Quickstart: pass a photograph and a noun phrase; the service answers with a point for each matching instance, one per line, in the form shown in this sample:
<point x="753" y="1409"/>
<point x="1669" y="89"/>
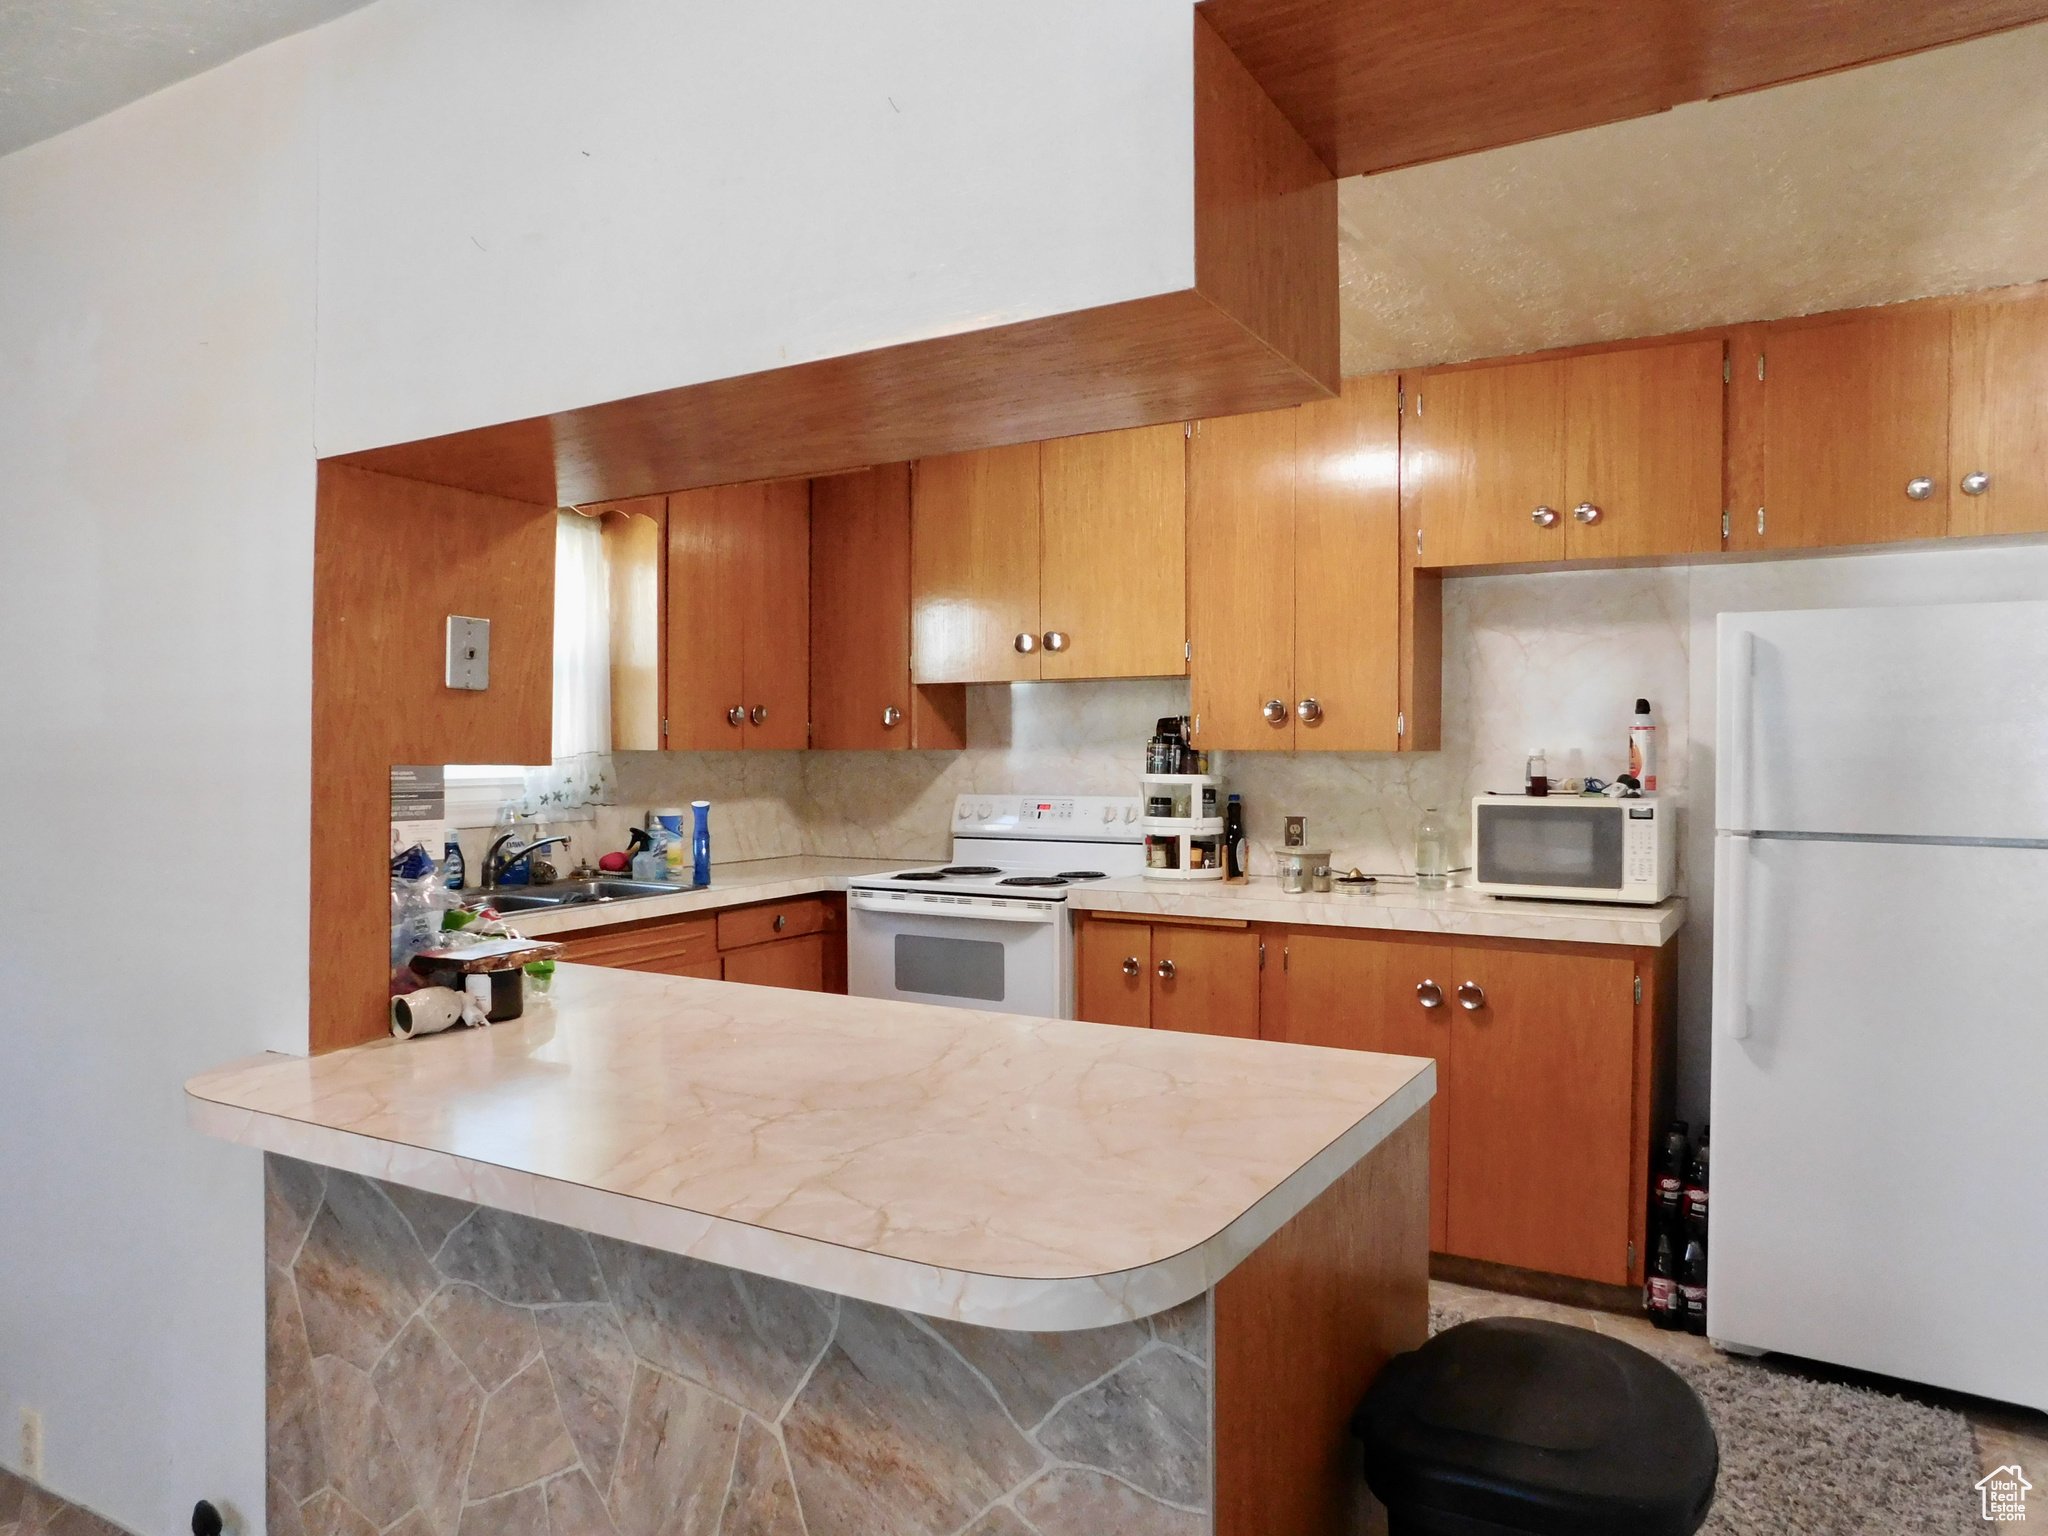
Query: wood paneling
<point x="1359" y="993"/>
<point x="775" y="621"/>
<point x="1998" y="422"/>
<point x="1643" y="435"/>
<point x="677" y="946"/>
<point x="1347" y="567"/>
<point x="1104" y="991"/>
<point x="860" y="621"/>
<point x="1856" y="406"/>
<point x="1542" y="1111"/>
<point x="1302" y="1328"/>
<point x="798" y="964"/>
<point x="707" y="594"/>
<point x="1481" y="450"/>
<point x="763" y="924"/>
<point x="1241" y="578"/>
<point x="1113" y="543"/>
<point x="380" y="697"/>
<point x="636" y="550"/>
<point x="974" y="566"/>
<point x="1373" y="85"/>
<point x="1214" y="988"/>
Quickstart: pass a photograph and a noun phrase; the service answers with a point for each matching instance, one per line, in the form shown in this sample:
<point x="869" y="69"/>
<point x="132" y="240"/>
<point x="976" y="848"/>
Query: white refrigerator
<point x="1880" y="1032"/>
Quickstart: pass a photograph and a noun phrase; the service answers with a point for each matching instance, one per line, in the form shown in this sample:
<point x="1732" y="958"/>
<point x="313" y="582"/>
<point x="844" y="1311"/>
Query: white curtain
<point x="581" y="774"/>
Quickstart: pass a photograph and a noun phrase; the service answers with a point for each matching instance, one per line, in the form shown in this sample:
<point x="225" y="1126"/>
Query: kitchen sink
<point x="570" y="893"/>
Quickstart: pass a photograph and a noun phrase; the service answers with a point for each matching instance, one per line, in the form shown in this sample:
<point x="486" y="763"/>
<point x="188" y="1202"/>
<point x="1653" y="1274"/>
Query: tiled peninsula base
<point x="443" y="1369"/>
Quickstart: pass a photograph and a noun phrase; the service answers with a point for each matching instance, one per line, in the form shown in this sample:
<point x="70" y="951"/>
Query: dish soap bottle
<point x="1642" y="748"/>
<point x="700" y="843"/>
<point x="453" y="871"/>
<point x="1432" y="853"/>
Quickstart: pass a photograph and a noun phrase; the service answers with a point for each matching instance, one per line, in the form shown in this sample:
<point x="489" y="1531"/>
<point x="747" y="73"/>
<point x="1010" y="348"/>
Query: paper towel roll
<point x="426" y="1012"/>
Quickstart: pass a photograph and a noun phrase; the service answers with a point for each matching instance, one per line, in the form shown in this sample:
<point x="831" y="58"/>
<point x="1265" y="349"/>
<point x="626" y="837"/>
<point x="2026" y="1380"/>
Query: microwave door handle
<point x="1732" y="856"/>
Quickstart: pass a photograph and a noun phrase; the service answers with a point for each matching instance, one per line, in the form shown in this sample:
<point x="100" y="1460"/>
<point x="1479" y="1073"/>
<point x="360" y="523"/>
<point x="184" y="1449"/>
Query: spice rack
<point x="1183" y="826"/>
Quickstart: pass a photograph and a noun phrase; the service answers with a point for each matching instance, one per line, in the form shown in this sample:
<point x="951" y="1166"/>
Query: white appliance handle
<point x="1731" y="935"/>
<point x="978" y="912"/>
<point x="1738" y="728"/>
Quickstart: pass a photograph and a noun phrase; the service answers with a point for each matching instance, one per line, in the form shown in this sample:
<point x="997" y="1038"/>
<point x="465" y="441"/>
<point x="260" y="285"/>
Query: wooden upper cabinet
<point x="739" y="616"/>
<point x="1643" y="449"/>
<point x="1856" y="417"/>
<point x="1347" y="569"/>
<point x="974" y="566"/>
<point x="1205" y="981"/>
<point x="1112" y="546"/>
<point x="1241" y="573"/>
<point x="1998" y="417"/>
<point x="635" y="550"/>
<point x="862" y="696"/>
<point x="1482" y="464"/>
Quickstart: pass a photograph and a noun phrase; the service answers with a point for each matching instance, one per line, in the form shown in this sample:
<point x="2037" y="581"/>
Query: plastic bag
<point x="418" y="901"/>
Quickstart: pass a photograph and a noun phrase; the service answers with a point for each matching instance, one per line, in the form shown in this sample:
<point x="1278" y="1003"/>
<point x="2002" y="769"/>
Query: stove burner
<point x="1034" y="880"/>
<point x="970" y="869"/>
<point x="920" y="874"/>
<point x="1082" y="874"/>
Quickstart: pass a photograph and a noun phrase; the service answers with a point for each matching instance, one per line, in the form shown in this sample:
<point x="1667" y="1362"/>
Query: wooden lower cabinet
<point x="799" y="944"/>
<point x="1200" y="979"/>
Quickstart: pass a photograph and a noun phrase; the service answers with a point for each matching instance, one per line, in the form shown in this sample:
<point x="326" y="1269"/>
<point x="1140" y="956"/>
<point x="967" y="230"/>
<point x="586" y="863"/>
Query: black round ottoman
<point x="1509" y="1424"/>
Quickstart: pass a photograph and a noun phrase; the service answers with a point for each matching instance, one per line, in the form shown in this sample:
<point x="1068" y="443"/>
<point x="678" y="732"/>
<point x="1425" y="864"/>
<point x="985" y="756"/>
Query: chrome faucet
<point x="497" y="861"/>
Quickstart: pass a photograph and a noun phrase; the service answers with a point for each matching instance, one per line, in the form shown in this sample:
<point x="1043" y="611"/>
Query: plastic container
<point x="1184" y="832"/>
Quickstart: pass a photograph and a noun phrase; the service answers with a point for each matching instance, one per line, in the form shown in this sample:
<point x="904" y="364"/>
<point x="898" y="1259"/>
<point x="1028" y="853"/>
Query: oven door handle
<point x="979" y="912"/>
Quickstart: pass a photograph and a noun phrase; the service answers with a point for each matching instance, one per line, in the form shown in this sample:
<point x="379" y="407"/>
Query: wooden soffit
<point x="1257" y="331"/>
<point x="1375" y="84"/>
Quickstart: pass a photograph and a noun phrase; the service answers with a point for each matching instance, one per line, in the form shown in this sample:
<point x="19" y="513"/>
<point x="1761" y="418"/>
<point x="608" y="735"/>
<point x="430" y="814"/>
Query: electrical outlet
<point x="32" y="1444"/>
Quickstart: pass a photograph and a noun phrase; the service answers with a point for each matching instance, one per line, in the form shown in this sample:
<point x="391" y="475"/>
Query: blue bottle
<point x="453" y="871"/>
<point x="700" y="844"/>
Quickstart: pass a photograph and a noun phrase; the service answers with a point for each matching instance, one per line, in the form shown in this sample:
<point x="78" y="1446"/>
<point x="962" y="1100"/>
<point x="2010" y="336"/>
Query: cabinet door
<point x="1241" y="579"/>
<point x="1365" y="994"/>
<point x="1113" y="573"/>
<point x="1482" y="456"/>
<point x="795" y="963"/>
<point x="1998" y="422"/>
<point x="635" y="550"/>
<point x="707" y="592"/>
<point x="860" y="609"/>
<point x="775" y="624"/>
<point x="1855" y="411"/>
<point x="1540" y="1122"/>
<point x="1643" y="432"/>
<point x="974" y="566"/>
<point x="1347" y="569"/>
<point x="1205" y="981"/>
<point x="1113" y="973"/>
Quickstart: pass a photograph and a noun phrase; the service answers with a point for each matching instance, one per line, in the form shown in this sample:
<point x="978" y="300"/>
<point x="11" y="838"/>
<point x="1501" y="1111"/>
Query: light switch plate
<point x="469" y="653"/>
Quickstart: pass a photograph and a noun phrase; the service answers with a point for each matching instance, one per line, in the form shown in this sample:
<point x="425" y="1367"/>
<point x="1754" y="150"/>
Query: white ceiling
<point x="63" y="62"/>
<point x="1924" y="175"/>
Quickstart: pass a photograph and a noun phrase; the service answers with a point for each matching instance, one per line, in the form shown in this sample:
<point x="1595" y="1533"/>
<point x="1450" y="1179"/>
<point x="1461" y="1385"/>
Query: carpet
<point x="1801" y="1457"/>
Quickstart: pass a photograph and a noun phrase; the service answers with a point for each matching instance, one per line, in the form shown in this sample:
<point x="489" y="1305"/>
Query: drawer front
<point x="664" y="947"/>
<point x="770" y="921"/>
<point x="797" y="963"/>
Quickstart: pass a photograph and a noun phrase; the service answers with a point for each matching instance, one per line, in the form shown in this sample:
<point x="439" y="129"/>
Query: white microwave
<point x="1574" y="847"/>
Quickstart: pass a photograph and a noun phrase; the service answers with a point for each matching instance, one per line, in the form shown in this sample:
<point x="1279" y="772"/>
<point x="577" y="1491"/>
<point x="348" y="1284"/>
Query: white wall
<point x="156" y="427"/>
<point x="534" y="205"/>
<point x="430" y="215"/>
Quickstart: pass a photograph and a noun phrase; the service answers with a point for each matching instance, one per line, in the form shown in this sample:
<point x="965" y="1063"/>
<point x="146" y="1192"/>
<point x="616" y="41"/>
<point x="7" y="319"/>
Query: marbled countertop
<point x="732" y="885"/>
<point x="1457" y="912"/>
<point x="1019" y="1173"/>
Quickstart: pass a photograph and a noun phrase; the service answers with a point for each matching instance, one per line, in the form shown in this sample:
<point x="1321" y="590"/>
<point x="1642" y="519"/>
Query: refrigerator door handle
<point x="1738" y="719"/>
<point x="1731" y="936"/>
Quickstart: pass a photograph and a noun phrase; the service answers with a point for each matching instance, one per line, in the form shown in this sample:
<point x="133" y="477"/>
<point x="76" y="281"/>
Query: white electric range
<point x="990" y="929"/>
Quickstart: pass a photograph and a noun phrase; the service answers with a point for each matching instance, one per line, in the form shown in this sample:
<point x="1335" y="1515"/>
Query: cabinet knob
<point x="1586" y="512"/>
<point x="1471" y="996"/>
<point x="1544" y="517"/>
<point x="1429" y="994"/>
<point x="781" y="921"/>
<point x="1919" y="488"/>
<point x="736" y="715"/>
<point x="1275" y="711"/>
<point x="1055" y="641"/>
<point x="1309" y="710"/>
<point x="1131" y="966"/>
<point x="890" y="716"/>
<point x="1976" y="483"/>
<point x="1025" y="644"/>
<point x="1166" y="970"/>
<point x="758" y="714"/>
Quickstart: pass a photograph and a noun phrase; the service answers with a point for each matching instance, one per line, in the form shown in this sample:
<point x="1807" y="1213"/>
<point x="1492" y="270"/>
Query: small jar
<point x="1320" y="877"/>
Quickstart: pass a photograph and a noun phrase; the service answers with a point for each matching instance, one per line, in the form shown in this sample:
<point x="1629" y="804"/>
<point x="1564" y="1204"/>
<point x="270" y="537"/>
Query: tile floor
<point x="2005" y="1434"/>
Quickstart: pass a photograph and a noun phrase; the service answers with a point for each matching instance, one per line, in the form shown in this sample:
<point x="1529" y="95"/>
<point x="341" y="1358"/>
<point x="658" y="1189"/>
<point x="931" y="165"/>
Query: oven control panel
<point x="1052" y="816"/>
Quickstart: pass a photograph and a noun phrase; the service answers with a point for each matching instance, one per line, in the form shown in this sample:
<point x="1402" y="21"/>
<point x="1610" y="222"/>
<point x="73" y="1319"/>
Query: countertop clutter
<point x="737" y="884"/>
<point x="1016" y="1173"/>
